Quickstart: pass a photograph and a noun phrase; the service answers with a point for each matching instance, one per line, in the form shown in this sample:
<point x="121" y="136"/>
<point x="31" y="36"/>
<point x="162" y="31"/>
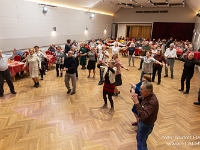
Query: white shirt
<point x="4" y="62"/>
<point x="170" y="53"/>
<point x="102" y="57"/>
<point x="115" y="50"/>
<point x="153" y="52"/>
<point x="147" y="66"/>
<point x="41" y="55"/>
<point x="99" y="47"/>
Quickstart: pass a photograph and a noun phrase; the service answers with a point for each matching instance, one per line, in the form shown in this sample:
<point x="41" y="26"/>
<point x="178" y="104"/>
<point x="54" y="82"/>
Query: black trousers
<point x="187" y="77"/>
<point x="141" y="62"/>
<point x="6" y="75"/>
<point x="199" y="96"/>
<point x="58" y="66"/>
<point x="155" y="69"/>
<point x="42" y="70"/>
<point x="77" y="71"/>
<point x="109" y="97"/>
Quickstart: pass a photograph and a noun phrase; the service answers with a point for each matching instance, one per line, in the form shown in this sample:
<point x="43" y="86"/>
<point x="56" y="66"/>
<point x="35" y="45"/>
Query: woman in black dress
<point x="188" y="71"/>
<point x="109" y="84"/>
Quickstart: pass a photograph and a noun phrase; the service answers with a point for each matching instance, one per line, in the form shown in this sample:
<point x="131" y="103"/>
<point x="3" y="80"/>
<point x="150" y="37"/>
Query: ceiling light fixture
<point x="45" y="9"/>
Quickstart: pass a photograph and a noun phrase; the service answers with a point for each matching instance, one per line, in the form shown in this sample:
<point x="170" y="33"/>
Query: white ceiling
<point x="111" y="6"/>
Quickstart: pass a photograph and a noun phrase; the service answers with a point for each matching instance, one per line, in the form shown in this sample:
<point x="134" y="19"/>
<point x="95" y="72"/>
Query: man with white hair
<point x="5" y="74"/>
<point x="170" y="55"/>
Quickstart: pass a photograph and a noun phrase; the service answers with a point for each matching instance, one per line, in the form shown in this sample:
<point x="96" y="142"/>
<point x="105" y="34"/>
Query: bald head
<point x="70" y="53"/>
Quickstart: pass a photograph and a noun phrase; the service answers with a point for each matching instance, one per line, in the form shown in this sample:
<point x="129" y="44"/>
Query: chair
<point x="17" y="58"/>
<point x="26" y="52"/>
<point x="48" y="52"/>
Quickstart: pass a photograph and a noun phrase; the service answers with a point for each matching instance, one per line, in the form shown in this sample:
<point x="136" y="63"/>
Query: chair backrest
<point x="17" y="58"/>
<point x="26" y="52"/>
<point x="48" y="52"/>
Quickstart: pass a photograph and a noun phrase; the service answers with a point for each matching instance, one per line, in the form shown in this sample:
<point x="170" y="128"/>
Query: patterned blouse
<point x="59" y="57"/>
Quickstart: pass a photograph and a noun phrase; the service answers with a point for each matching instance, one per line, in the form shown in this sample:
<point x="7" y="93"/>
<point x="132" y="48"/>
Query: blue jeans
<point x="141" y="76"/>
<point x="142" y="134"/>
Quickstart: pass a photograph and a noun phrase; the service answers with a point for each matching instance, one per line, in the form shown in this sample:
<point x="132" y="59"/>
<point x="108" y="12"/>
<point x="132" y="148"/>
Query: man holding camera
<point x="103" y="58"/>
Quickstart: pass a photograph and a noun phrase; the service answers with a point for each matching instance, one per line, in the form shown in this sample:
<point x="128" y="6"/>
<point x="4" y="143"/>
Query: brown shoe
<point x="134" y="123"/>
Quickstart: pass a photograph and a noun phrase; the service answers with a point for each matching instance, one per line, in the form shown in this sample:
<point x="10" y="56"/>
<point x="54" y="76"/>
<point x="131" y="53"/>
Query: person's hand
<point x="161" y="64"/>
<point x="133" y="55"/>
<point x="131" y="83"/>
<point x="134" y="96"/>
<point x="166" y="65"/>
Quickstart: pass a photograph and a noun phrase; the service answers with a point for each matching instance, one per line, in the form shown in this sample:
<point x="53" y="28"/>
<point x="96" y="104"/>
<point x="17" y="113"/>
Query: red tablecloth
<point x="15" y="67"/>
<point x="196" y="54"/>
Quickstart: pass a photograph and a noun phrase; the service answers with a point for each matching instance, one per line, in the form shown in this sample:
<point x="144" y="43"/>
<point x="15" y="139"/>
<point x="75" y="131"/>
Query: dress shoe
<point x="73" y="93"/>
<point x="1" y="95"/>
<point x="100" y="83"/>
<point x="134" y="123"/>
<point x="158" y="83"/>
<point x="69" y="90"/>
<point x="111" y="110"/>
<point x="172" y="77"/>
<point x="180" y="89"/>
<point x="166" y="76"/>
<point x="196" y="103"/>
<point x="104" y="106"/>
<point x="185" y="92"/>
<point x="139" y="68"/>
<point x="13" y="92"/>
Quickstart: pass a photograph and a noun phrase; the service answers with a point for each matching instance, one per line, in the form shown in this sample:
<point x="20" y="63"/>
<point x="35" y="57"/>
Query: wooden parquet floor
<point x="47" y="118"/>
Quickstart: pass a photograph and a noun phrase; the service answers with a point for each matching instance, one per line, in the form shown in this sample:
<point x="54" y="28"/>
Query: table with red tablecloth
<point x="16" y="67"/>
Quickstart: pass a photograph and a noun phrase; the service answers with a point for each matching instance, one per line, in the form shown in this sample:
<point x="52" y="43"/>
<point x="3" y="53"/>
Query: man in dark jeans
<point x="147" y="107"/>
<point x="70" y="67"/>
<point x="198" y="103"/>
<point x="5" y="74"/>
<point x="145" y="48"/>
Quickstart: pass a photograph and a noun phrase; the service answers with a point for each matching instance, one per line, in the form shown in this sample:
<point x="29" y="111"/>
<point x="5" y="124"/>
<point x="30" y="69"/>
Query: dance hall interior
<point x="85" y="74"/>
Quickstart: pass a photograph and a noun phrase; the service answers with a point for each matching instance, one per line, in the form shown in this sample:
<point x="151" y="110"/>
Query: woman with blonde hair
<point x="109" y="72"/>
<point x="34" y="65"/>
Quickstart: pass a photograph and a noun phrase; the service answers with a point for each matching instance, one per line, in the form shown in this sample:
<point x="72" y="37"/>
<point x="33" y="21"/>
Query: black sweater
<point x="70" y="63"/>
<point x="189" y="65"/>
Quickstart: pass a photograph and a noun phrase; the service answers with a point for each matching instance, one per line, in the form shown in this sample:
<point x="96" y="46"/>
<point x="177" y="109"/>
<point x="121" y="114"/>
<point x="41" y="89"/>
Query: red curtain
<point x="179" y="31"/>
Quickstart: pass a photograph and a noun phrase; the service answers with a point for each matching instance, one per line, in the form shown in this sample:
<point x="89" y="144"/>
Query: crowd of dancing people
<point x="153" y="55"/>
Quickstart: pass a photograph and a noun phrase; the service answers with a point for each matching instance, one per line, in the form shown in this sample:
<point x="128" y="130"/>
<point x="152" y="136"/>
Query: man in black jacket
<point x="67" y="46"/>
<point x="70" y="67"/>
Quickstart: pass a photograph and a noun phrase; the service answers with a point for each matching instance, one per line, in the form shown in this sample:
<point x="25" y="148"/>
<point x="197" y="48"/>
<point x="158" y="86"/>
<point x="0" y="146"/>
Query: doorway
<point x="138" y="31"/>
